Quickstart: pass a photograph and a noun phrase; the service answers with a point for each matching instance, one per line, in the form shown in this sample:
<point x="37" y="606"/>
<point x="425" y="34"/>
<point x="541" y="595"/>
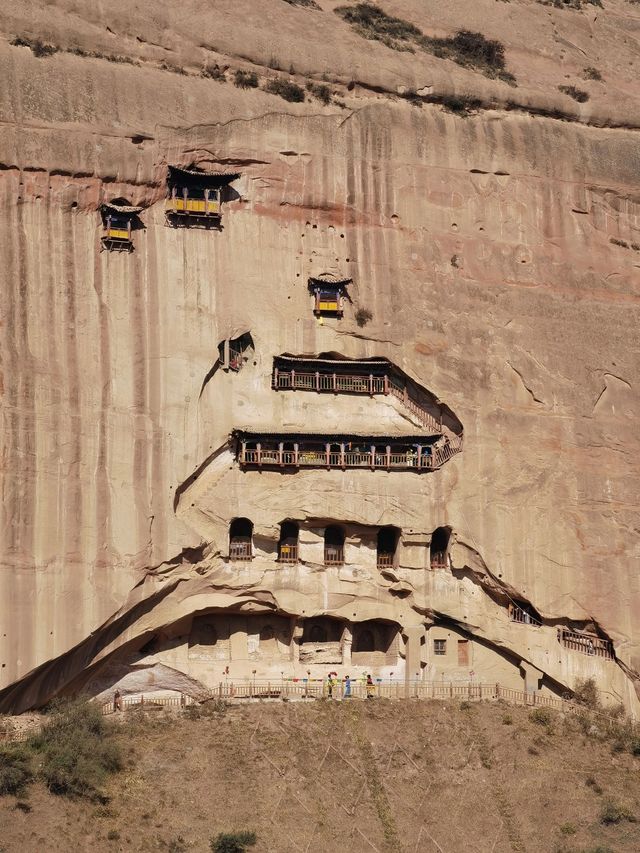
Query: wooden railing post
<point x="419" y="460"/>
<point x="293" y="379"/>
<point x="317" y="380"/>
<point x="327" y="453"/>
<point x="388" y="456"/>
<point x="343" y="463"/>
<point x="371" y="385"/>
<point x="373" y="456"/>
<point x="259" y="446"/>
<point x="275" y="378"/>
<point x="295" y="454"/>
<point x="280" y="459"/>
<point x="386" y="384"/>
<point x="335" y="386"/>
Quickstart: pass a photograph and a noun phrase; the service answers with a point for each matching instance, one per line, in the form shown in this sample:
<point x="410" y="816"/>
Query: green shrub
<point x="507" y="720"/>
<point x="233" y="842"/>
<point x="77" y="750"/>
<point x="617" y="242"/>
<point x="245" y="79"/>
<point x="614" y="812"/>
<point x="15" y="769"/>
<point x="592" y="783"/>
<point x="577" y="94"/>
<point x="286" y="89"/>
<point x="568" y="829"/>
<point x="310" y="4"/>
<point x="177" y="845"/>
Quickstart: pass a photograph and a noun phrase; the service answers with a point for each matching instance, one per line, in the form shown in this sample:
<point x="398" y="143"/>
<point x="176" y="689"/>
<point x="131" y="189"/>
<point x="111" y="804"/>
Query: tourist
<point x="370" y="687"/>
<point x="330" y="685"/>
<point x="347" y="687"/>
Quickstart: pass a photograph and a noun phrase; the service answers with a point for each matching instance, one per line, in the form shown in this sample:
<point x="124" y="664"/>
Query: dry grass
<point x="346" y="776"/>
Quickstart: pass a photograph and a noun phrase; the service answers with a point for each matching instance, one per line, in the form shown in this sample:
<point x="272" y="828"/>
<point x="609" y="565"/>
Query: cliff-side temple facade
<point x="303" y="418"/>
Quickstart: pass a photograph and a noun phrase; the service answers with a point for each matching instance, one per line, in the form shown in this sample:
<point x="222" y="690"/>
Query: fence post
<point x="451" y="688"/>
<point x="497" y="690"/>
<point x="142" y="700"/>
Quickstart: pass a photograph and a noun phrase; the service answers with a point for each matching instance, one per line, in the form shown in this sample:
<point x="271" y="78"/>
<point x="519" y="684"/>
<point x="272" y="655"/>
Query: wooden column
<point x="334" y="384"/>
<point x="388" y="456"/>
<point x="419" y="459"/>
<point x="370" y="385"/>
<point x="342" y="459"/>
<point x="206" y="202"/>
<point x="373" y="456"/>
<point x="259" y="445"/>
<point x="293" y="378"/>
<point x="386" y="384"/>
<point x="129" y="229"/>
<point x="280" y="460"/>
<point x="295" y="454"/>
<point x="275" y="378"/>
<point x="327" y="451"/>
<point x="317" y="380"/>
<point x="243" y="452"/>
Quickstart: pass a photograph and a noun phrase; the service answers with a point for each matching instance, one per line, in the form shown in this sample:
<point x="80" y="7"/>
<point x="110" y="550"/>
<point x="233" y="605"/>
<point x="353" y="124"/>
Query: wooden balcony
<point x="287" y="553"/>
<point x="586" y="644"/>
<point x="286" y="451"/>
<point x="439" y="560"/>
<point x="522" y="616"/>
<point x="385" y="560"/>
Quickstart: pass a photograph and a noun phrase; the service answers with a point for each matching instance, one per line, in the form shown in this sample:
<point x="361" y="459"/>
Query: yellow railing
<point x="192" y="205"/>
<point x="117" y="234"/>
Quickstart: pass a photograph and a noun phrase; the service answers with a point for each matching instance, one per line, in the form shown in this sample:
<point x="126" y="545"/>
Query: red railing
<point x="385" y="560"/>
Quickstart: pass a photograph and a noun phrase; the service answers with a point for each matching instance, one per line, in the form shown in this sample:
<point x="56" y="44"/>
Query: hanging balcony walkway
<point x="312" y="450"/>
<point x="371" y="377"/>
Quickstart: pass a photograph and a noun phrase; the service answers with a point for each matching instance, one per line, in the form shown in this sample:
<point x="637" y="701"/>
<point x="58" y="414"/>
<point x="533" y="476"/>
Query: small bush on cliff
<point x="38" y="48"/>
<point x="214" y="72"/>
<point x="591" y="73"/>
<point x="77" y="750"/>
<point x="286" y="89"/>
<point x="373" y="23"/>
<point x="245" y="79"/>
<point x="15" y="769"/>
<point x="461" y="105"/>
<point x="363" y="316"/>
<point x="320" y="91"/>
<point x="233" y="842"/>
<point x="310" y="4"/>
<point x="577" y="94"/>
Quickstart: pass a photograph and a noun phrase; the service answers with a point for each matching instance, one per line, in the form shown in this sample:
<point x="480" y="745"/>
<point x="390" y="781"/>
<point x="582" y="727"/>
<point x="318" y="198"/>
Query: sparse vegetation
<point x="15" y="770"/>
<point x="245" y="79"/>
<point x="541" y="716"/>
<point x="177" y="845"/>
<point x="507" y="720"/>
<point x="309" y="4"/>
<point x="320" y="91"/>
<point x="617" y="242"/>
<point x="76" y="750"/>
<point x="577" y="94"/>
<point x="462" y="105"/>
<point x="373" y="23"/>
<point x="614" y="812"/>
<point x="591" y="73"/>
<point x="286" y="89"/>
<point x="467" y="48"/>
<point x="568" y="829"/>
<point x="363" y="316"/>
<point x="214" y="72"/>
<point x="38" y="48"/>
<point x="233" y="842"/>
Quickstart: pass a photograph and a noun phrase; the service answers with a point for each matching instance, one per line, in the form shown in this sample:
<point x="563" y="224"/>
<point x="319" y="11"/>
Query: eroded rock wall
<point x="481" y="245"/>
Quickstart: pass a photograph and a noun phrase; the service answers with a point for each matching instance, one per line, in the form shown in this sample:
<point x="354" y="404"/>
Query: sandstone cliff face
<point x="481" y="245"/>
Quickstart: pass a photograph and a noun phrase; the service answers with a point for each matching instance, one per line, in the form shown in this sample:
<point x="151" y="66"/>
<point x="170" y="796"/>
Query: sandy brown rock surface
<point x="497" y="252"/>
